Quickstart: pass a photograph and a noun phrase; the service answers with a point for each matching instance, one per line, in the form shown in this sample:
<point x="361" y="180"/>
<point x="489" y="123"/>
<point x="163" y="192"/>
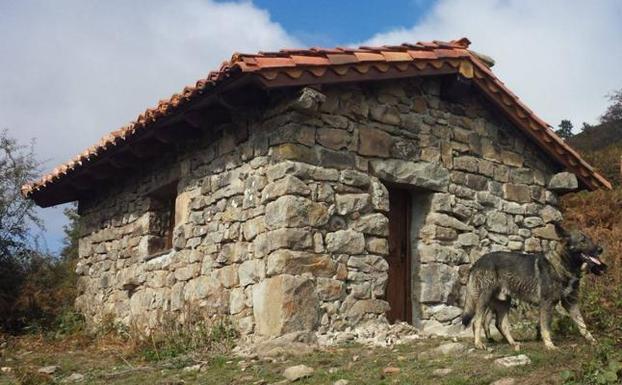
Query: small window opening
<point x="163" y="220"/>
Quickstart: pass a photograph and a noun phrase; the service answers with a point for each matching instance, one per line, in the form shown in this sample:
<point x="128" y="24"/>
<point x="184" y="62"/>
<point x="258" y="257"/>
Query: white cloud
<point x="561" y="57"/>
<point x="72" y="71"/>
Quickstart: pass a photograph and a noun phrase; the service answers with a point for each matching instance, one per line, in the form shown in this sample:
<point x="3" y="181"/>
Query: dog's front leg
<point x="575" y="314"/>
<point x="546" y="310"/>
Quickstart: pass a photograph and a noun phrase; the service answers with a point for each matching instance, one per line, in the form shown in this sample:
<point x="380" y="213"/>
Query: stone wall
<point x="282" y="221"/>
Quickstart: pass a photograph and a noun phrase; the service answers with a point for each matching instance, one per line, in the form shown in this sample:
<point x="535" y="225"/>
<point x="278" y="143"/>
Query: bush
<point x="42" y="290"/>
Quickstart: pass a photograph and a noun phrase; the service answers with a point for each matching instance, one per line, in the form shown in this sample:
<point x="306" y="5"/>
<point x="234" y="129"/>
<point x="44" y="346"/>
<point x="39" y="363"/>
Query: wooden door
<point x="399" y="285"/>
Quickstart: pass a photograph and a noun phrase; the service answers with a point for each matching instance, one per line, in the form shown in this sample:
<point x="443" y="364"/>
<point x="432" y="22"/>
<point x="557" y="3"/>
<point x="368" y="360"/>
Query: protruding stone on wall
<point x="563" y="182"/>
<point x="309" y="99"/>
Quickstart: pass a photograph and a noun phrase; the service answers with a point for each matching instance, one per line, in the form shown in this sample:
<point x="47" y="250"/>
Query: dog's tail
<point x="469" y="302"/>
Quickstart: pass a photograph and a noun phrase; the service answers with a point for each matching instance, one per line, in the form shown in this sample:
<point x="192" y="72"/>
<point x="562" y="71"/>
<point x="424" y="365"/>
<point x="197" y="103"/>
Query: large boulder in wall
<point x="284" y="304"/>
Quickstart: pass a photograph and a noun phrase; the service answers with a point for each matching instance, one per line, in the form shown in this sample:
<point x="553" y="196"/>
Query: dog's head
<point x="582" y="250"/>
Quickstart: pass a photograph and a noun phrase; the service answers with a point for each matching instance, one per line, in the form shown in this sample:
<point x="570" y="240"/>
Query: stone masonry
<point x="281" y="219"/>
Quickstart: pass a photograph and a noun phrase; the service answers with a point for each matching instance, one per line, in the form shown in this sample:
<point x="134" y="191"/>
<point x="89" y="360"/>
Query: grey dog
<point x="498" y="277"/>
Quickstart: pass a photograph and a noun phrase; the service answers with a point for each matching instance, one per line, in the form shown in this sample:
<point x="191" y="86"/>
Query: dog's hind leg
<point x="477" y="330"/>
<point x="481" y="305"/>
<point x="487" y="319"/>
<point x="546" y="310"/>
<point x="575" y="314"/>
<point x="502" y="308"/>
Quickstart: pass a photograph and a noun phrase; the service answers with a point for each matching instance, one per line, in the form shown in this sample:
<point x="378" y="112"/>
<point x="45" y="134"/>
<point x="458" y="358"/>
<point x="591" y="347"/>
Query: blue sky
<point x="73" y="70"/>
<point x="330" y="23"/>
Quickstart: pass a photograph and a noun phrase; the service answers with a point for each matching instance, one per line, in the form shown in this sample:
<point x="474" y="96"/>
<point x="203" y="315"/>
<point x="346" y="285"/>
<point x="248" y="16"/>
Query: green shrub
<point x="605" y="368"/>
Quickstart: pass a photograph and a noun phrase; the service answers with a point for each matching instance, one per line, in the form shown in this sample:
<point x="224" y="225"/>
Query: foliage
<point x="17" y="167"/>
<point x="17" y="217"/>
<point x="72" y="234"/>
<point x="35" y="287"/>
<point x="614" y="111"/>
<point x="565" y="129"/>
<point x="46" y="291"/>
<point x="604" y="368"/>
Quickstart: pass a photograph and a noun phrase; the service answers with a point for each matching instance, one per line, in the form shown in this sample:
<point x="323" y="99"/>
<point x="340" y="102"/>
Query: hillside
<point x="598" y="214"/>
<point x="601" y="146"/>
<point x="594" y="138"/>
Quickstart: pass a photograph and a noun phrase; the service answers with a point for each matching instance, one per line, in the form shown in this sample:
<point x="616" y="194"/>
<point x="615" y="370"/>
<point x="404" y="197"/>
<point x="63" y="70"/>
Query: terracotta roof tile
<point x="306" y="60"/>
<point x="422" y="55"/>
<point x="368" y="56"/>
<point x="391" y="56"/>
<point x="270" y="62"/>
<point x="344" y="62"/>
<point x="341" y="58"/>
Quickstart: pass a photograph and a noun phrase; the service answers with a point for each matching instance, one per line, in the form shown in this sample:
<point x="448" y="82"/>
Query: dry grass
<point x="115" y="353"/>
<point x="599" y="214"/>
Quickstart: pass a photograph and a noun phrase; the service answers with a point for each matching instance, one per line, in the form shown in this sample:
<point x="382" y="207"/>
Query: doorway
<point x="399" y="288"/>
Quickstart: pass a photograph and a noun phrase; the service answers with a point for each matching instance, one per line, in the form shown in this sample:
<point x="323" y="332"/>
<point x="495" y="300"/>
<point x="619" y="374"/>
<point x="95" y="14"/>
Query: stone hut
<point x="312" y="190"/>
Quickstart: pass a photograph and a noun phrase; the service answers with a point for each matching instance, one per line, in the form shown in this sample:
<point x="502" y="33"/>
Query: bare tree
<point x="614" y="111"/>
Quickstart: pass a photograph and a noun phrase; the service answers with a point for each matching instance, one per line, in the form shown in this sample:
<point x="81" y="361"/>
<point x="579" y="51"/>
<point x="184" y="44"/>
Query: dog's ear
<point x="561" y="231"/>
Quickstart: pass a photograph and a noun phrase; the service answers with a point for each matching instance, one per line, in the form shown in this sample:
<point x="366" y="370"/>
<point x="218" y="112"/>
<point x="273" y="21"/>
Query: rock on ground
<point x="447" y="349"/>
<point x="512" y="361"/>
<point x="74" y="377"/>
<point x="341" y="382"/>
<point x="374" y="333"/>
<point x="49" y="370"/>
<point x="442" y="372"/>
<point x="391" y="370"/>
<point x="297" y="372"/>
<point x="504" y="381"/>
<point x="290" y="344"/>
<point x="193" y="368"/>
